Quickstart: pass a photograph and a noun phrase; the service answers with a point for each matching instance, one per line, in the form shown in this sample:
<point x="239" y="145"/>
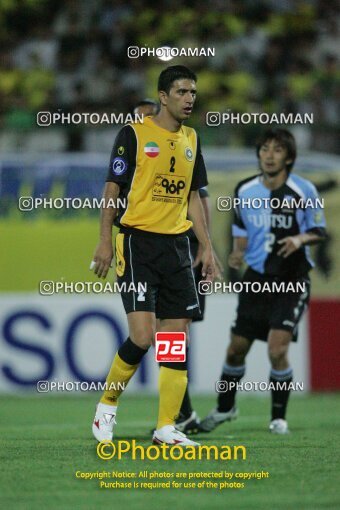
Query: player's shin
<point x="124" y="365"/>
<point x="173" y="381"/>
<point x="280" y="382"/>
<point x="186" y="407"/>
<point x="226" y="397"/>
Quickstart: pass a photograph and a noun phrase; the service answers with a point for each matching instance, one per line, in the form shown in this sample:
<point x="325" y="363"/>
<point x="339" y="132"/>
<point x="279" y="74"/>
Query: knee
<point x="143" y="336"/>
<point x="277" y="354"/>
<point x="235" y="356"/>
<point x="278" y="345"/>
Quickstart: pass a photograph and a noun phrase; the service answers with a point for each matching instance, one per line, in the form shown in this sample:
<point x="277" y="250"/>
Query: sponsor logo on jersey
<point x="119" y="166"/>
<point x="168" y="188"/>
<point x="151" y="149"/>
<point x="271" y="220"/>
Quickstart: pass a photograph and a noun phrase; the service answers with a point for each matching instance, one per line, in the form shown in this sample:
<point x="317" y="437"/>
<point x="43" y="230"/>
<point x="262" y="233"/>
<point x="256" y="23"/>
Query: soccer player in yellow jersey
<point x="158" y="168"/>
<point x="188" y="420"/>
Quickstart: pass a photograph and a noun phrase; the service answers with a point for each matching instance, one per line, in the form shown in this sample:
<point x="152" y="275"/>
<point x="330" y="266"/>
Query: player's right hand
<point x="103" y="257"/>
<point x="235" y="259"/>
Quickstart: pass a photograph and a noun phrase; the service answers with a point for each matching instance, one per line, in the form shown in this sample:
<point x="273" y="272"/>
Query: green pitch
<point x="45" y="440"/>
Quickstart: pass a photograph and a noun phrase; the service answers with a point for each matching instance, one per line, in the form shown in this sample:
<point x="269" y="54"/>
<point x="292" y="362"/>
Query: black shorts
<point x="258" y="313"/>
<point x="156" y="270"/>
<point x="199" y="313"/>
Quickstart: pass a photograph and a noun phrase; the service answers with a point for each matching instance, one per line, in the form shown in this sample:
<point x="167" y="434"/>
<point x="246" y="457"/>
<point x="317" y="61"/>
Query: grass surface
<point x="46" y="439"/>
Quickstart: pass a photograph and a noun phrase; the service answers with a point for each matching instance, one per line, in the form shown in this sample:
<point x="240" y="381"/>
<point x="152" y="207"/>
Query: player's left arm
<point x="315" y="227"/>
<point x="206" y="210"/>
<point x="196" y="214"/>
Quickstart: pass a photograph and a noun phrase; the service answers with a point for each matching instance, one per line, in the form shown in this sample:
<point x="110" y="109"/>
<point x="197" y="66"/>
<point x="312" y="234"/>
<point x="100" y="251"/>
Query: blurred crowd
<point x="270" y="56"/>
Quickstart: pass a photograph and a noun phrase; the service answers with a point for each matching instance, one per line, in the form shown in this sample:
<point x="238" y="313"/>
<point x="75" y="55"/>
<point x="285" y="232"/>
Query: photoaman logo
<point x="151" y="149"/>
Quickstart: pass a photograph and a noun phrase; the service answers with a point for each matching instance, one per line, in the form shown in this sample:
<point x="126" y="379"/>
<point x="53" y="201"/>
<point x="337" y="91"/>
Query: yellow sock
<point x="119" y="375"/>
<point x="172" y="385"/>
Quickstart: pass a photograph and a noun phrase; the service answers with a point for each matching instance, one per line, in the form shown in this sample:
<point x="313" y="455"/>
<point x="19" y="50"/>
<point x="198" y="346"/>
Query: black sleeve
<point x="203" y="192"/>
<point x="238" y="222"/>
<point x="199" y="176"/>
<point x="325" y="186"/>
<point x="319" y="231"/>
<point x="123" y="156"/>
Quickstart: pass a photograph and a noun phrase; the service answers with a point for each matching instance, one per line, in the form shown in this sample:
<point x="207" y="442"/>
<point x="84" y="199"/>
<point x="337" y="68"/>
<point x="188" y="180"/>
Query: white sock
<point x="105" y="408"/>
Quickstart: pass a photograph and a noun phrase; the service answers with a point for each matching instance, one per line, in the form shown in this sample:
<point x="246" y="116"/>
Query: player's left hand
<point x="208" y="262"/>
<point x="218" y="267"/>
<point x="218" y="264"/>
<point x="289" y="245"/>
<point x="198" y="258"/>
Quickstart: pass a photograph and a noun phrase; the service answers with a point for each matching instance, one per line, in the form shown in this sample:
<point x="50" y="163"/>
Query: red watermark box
<point x="170" y="346"/>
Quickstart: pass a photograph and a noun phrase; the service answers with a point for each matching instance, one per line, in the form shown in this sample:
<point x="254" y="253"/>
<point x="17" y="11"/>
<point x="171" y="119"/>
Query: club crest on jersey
<point x="119" y="166"/>
<point x="151" y="149"/>
<point x="189" y="154"/>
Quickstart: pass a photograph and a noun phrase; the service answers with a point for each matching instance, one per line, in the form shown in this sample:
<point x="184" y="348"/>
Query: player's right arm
<point x="315" y="227"/>
<point x="104" y="251"/>
<point x="240" y="238"/>
<point x="121" y="168"/>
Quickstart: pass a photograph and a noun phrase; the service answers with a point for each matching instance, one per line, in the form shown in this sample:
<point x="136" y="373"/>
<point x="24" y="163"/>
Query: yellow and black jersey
<point x="156" y="169"/>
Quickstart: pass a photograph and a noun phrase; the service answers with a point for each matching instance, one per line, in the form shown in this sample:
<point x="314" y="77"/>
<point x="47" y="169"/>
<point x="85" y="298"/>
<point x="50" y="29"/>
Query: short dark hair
<point x="172" y="73"/>
<point x="284" y="138"/>
<point x="145" y="102"/>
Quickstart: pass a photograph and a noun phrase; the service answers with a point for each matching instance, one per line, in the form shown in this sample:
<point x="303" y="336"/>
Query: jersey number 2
<point x="172" y="164"/>
<point x="269" y="242"/>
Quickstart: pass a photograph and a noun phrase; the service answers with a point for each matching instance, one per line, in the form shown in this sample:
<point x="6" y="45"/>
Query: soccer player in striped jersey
<point x="274" y="242"/>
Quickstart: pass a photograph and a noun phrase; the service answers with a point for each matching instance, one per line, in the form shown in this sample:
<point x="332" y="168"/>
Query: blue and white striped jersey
<point x="265" y="216"/>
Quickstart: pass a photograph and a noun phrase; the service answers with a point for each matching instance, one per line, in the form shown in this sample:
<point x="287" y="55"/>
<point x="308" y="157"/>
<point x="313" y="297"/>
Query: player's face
<point x="273" y="157"/>
<point x="180" y="100"/>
